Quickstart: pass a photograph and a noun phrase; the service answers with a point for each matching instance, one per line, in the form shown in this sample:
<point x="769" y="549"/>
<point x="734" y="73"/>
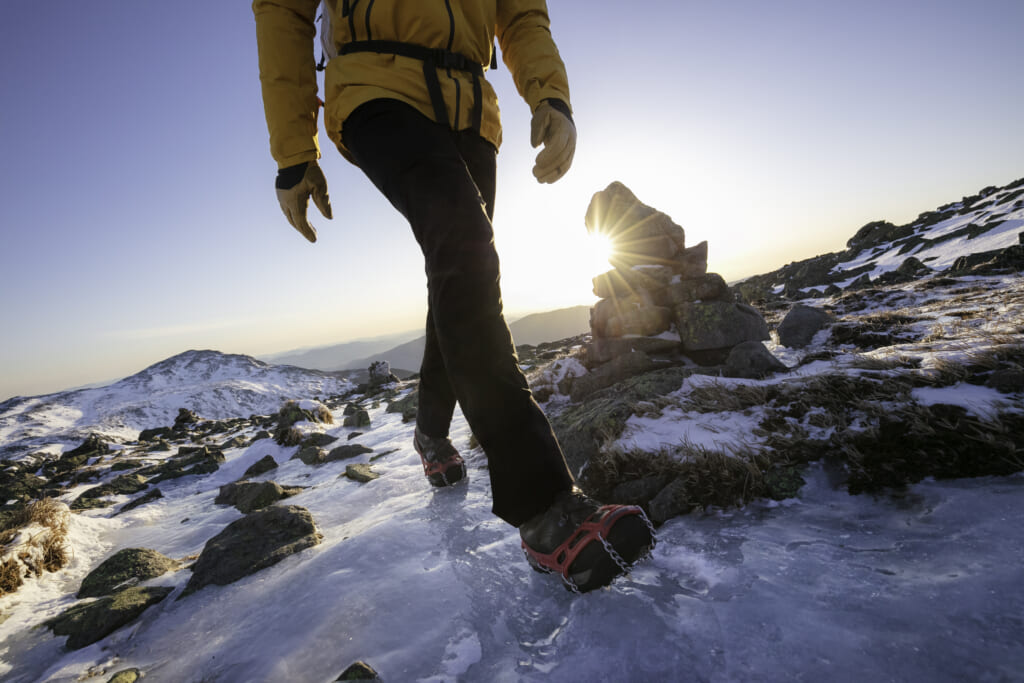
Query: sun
<point x="598" y="250"/>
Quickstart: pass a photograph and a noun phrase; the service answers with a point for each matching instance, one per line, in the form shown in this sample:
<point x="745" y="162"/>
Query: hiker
<point x="407" y="102"/>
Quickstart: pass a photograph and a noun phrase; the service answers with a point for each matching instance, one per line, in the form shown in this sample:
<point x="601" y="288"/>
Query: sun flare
<point x="598" y="251"/>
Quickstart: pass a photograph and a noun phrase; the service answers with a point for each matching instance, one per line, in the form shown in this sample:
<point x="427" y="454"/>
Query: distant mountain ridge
<point x="215" y="385"/>
<point x="338" y="356"/>
<point x="532" y="329"/>
<point x="985" y="228"/>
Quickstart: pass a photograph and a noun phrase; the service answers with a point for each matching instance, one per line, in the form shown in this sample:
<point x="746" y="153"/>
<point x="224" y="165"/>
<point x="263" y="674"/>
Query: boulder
<point x="311" y="455"/>
<point x="261" y="466"/>
<point x="407" y="406"/>
<point x="361" y="472"/>
<point x="613" y="372"/>
<point x="717" y="324"/>
<point x="670" y="502"/>
<point x="123" y="485"/>
<point x="751" y="360"/>
<point x="692" y="262"/>
<point x="248" y="496"/>
<point x="359" y="418"/>
<point x="380" y="373"/>
<point x="629" y="281"/>
<point x="639" y="233"/>
<point x="604" y="349"/>
<point x="88" y="623"/>
<point x="125" y="568"/>
<point x="318" y="439"/>
<point x="347" y="451"/>
<point x="634" y="315"/>
<point x="359" y="671"/>
<point x="801" y="324"/>
<point x="185" y="419"/>
<point x="254" y="542"/>
<point x="709" y="287"/>
<point x="126" y="676"/>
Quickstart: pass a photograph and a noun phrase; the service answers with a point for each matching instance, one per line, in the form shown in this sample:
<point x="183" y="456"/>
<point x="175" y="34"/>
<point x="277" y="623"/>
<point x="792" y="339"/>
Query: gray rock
<point x="604" y="349"/>
<point x="380" y="373"/>
<point x="261" y="466"/>
<point x="629" y="281"/>
<point x="639" y="233"/>
<point x="89" y="623"/>
<point x="693" y="261"/>
<point x="360" y="418"/>
<point x="407" y="406"/>
<point x="359" y="671"/>
<point x="613" y="372"/>
<point x="347" y="451"/>
<point x="362" y="473"/>
<point x="125" y="484"/>
<point x="751" y="360"/>
<point x="638" y="491"/>
<point x="800" y="325"/>
<point x="318" y="439"/>
<point x="716" y="325"/>
<point x="710" y="287"/>
<point x="249" y="496"/>
<point x="127" y="566"/>
<point x="254" y="542"/>
<point x="311" y="455"/>
<point x="632" y="315"/>
<point x="670" y="502"/>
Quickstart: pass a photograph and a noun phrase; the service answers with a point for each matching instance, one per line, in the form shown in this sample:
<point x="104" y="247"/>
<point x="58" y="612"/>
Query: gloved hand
<point x="556" y="130"/>
<point x="295" y="185"/>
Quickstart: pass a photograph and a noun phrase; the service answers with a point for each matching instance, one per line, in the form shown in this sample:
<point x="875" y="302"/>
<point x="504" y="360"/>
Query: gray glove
<point x="556" y="130"/>
<point x="295" y="185"/>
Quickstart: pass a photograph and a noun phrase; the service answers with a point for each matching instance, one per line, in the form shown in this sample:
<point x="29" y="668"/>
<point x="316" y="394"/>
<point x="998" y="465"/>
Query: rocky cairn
<point x="659" y="298"/>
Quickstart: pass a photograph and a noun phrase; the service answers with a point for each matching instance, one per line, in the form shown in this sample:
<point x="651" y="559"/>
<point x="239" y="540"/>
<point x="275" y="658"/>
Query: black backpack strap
<point x="433" y="59"/>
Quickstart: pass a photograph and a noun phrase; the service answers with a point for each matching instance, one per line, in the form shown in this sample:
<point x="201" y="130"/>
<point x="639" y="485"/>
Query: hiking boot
<point x="587" y="543"/>
<point x="441" y="462"/>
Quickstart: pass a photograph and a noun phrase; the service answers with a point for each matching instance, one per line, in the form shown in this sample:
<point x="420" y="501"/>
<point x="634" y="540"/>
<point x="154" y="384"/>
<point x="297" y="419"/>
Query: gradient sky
<point x="139" y="218"/>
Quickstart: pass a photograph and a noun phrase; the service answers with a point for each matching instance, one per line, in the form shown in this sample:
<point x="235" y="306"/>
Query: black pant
<point x="443" y="183"/>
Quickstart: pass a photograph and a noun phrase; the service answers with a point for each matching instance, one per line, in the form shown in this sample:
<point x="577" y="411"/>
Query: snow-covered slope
<point x="919" y="583"/>
<point x="987" y="222"/>
<point x="214" y="385"/>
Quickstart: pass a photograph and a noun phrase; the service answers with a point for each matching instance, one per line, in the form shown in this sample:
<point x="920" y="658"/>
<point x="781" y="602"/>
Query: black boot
<point x="587" y="543"/>
<point x="441" y="462"/>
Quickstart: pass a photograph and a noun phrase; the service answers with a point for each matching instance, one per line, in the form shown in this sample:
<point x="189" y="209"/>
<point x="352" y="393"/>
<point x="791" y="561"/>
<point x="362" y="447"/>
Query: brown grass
<point x="52" y="544"/>
<point x="10" y="576"/>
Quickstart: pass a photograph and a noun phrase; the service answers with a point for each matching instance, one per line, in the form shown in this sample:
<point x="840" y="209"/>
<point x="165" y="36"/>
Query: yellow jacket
<point x="285" y="32"/>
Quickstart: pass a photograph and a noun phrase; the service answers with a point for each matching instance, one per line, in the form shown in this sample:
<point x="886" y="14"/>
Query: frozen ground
<point x="426" y="585"/>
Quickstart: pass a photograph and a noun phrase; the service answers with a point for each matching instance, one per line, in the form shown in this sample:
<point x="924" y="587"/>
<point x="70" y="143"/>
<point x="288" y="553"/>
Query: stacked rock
<point x="659" y="298"/>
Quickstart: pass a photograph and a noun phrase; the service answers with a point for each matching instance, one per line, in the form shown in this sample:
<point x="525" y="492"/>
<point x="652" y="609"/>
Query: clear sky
<point x="139" y="219"/>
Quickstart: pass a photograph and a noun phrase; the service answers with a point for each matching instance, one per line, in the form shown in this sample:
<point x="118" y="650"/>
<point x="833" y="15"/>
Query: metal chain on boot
<point x="623" y="565"/>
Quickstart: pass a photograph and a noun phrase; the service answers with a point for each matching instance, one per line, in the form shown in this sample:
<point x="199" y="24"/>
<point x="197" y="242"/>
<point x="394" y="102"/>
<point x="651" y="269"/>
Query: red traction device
<point x="591" y="529"/>
<point x="441" y="466"/>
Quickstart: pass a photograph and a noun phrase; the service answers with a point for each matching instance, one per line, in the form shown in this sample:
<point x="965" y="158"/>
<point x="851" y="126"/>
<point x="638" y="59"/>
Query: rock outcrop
<point x="659" y="298"/>
<point x="254" y="542"/>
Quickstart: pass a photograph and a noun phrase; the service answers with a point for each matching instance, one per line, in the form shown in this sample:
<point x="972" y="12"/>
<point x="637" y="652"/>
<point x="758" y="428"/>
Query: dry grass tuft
<point x="888" y="363"/>
<point x="719" y="397"/>
<point x="44" y="551"/>
<point x="10" y="576"/>
<point x="701" y="477"/>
